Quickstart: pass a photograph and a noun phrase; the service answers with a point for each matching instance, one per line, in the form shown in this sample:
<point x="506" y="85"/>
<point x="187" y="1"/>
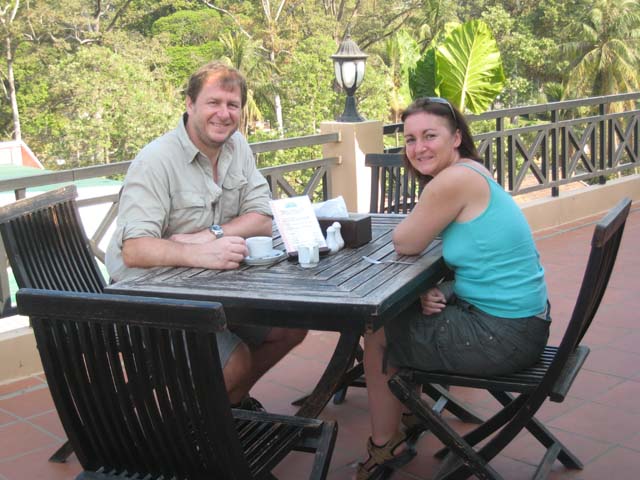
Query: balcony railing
<point x="558" y="143"/>
<point x="549" y="146"/>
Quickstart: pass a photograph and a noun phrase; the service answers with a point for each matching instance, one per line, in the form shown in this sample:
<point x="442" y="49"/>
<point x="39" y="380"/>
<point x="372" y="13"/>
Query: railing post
<point x="604" y="125"/>
<point x="500" y="163"/>
<point x="351" y="178"/>
<point x="555" y="191"/>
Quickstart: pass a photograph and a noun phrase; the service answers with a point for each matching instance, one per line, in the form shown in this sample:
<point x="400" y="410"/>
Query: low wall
<point x="18" y="355"/>
<point x="577" y="204"/>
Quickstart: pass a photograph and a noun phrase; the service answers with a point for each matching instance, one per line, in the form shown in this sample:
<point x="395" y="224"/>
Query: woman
<point x="492" y="319"/>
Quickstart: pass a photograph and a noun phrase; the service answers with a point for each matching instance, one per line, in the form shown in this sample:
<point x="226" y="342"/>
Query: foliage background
<point x="95" y="80"/>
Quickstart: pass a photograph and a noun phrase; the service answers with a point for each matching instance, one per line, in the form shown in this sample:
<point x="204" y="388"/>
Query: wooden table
<point x="344" y="293"/>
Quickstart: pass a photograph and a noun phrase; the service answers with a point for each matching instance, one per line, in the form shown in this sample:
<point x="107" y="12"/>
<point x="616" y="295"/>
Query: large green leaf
<point x="469" y="67"/>
<point x="422" y="78"/>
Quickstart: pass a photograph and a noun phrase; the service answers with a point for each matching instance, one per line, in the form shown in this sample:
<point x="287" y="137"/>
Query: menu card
<point x="297" y="222"/>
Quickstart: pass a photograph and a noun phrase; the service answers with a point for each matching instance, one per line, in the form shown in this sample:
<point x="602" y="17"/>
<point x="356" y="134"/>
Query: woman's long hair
<point x="455" y="121"/>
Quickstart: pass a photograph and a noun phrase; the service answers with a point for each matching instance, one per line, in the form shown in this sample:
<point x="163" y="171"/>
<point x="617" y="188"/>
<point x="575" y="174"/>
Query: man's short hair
<point x="228" y="77"/>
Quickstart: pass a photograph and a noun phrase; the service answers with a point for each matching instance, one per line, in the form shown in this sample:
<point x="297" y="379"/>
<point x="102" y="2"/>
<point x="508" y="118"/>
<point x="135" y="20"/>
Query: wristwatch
<point x="217" y="231"/>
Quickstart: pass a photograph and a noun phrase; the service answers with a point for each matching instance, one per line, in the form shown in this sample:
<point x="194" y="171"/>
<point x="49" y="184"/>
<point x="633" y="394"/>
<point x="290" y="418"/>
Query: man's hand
<point x="226" y="253"/>
<point x="432" y="301"/>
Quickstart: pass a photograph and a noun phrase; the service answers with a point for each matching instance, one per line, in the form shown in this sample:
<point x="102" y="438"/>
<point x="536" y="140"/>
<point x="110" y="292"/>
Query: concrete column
<point x="351" y="178"/>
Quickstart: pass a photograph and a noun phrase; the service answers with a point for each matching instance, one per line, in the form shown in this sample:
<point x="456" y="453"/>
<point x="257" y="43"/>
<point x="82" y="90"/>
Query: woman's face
<point x="429" y="144"/>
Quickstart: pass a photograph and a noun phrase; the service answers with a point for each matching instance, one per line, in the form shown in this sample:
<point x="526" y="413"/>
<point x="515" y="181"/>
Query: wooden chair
<point x="47" y="248"/>
<point x="393" y="188"/>
<point x="46" y="244"/>
<point x="550" y="378"/>
<point x="134" y="412"/>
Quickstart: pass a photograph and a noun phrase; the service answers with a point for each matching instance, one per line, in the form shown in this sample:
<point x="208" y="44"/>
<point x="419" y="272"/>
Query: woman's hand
<point x="432" y="301"/>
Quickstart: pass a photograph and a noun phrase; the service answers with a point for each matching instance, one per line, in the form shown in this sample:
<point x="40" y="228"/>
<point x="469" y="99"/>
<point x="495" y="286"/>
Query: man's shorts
<point x="230" y="338"/>
<point x="463" y="339"/>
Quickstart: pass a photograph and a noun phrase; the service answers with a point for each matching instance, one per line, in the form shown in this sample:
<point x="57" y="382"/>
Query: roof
<point x="8" y="171"/>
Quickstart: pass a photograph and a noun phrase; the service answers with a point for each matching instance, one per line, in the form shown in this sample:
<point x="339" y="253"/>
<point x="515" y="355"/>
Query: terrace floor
<point x="599" y="421"/>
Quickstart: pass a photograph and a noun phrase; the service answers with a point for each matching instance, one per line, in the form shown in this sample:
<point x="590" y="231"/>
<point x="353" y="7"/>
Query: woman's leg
<point x="384" y="408"/>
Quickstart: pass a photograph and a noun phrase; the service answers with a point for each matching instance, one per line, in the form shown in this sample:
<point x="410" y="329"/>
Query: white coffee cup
<point x="308" y="255"/>
<point x="259" y="247"/>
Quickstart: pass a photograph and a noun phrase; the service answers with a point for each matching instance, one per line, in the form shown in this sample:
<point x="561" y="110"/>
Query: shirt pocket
<point x="232" y="195"/>
<point x="190" y="212"/>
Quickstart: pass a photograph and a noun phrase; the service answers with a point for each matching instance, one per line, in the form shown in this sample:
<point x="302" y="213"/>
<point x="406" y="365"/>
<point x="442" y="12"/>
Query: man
<point x="189" y="199"/>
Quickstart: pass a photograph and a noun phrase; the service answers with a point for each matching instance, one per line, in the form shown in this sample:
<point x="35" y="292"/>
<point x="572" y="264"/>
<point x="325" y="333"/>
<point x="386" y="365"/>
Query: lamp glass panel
<point x="360" y="72"/>
<point x="336" y="67"/>
<point x="348" y="74"/>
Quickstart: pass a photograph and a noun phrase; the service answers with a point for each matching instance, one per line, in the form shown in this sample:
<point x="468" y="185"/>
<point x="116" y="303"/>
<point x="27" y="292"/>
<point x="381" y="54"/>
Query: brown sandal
<point x="382" y="461"/>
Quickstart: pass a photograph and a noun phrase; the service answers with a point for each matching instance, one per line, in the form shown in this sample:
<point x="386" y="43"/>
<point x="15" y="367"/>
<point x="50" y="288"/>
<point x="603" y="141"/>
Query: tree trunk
<point x="17" y="132"/>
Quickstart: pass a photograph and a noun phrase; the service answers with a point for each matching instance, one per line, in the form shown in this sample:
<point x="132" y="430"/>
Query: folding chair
<point x="551" y="377"/>
<point x="138" y="385"/>
<point x="47" y="248"/>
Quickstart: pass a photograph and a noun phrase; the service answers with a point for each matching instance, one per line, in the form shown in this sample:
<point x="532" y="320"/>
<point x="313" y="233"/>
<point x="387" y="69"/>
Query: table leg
<point x="333" y="377"/>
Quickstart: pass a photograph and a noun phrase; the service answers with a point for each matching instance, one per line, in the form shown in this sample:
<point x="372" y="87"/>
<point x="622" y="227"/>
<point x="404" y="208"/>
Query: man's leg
<point x="277" y="343"/>
<point x="235" y="372"/>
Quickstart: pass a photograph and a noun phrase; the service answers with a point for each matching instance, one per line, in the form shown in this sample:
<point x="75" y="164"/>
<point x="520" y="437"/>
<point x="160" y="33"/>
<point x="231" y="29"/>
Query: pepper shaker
<point x="332" y="244"/>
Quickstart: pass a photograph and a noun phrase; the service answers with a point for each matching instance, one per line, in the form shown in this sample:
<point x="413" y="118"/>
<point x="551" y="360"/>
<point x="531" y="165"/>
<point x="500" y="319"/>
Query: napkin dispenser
<point x="355" y="230"/>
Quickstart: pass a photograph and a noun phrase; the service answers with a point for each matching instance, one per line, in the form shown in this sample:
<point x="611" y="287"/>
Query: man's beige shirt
<point x="169" y="189"/>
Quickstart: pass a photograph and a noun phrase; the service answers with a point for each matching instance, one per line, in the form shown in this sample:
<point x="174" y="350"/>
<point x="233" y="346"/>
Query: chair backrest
<point x="154" y="403"/>
<point x="46" y="243"/>
<point x="393" y="188"/>
<point x="604" y="250"/>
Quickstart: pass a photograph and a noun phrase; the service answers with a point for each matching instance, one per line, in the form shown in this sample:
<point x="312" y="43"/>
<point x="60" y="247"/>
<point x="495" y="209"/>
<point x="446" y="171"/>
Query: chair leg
<point x="351" y="377"/>
<point x="472" y="462"/>
<point x="490" y="426"/>
<point x="444" y="400"/>
<point x="324" y="451"/>
<point x="61" y="455"/>
<point x="544" y="436"/>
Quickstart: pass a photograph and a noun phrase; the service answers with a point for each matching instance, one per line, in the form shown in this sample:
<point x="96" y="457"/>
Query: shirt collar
<point x="192" y="151"/>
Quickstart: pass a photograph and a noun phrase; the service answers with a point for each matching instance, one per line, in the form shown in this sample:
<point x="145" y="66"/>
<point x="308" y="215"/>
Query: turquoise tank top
<point x="495" y="260"/>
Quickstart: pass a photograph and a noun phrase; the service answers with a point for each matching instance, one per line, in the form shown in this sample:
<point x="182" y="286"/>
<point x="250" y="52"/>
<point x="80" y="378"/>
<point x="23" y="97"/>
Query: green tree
<point x="102" y="105"/>
<point x="605" y="51"/>
<point x="401" y="54"/>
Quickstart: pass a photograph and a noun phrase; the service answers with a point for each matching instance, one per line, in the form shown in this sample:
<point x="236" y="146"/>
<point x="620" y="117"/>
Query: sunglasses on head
<point x="443" y="101"/>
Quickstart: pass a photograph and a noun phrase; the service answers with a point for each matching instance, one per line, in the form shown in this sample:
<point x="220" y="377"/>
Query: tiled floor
<point x="600" y="420"/>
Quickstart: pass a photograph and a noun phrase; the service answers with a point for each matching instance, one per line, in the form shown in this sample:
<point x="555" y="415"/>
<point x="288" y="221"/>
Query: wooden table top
<point x="343" y="293"/>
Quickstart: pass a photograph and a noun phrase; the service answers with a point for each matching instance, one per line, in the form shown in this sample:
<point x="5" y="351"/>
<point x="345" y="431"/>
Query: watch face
<point x="216" y="230"/>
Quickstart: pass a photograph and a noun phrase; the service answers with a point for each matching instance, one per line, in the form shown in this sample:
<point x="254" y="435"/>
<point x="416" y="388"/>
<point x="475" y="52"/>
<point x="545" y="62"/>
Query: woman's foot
<point x="384" y="459"/>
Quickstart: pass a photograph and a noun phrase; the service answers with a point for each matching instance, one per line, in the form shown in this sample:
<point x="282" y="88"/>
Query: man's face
<point x="214" y="115"/>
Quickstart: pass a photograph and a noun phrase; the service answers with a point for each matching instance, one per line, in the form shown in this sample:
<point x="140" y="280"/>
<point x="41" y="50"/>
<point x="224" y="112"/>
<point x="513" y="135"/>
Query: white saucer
<point x="273" y="257"/>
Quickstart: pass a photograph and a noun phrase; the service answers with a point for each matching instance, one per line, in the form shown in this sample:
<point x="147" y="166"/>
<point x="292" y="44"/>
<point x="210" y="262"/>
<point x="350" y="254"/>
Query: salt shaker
<point x="339" y="240"/>
<point x="332" y="243"/>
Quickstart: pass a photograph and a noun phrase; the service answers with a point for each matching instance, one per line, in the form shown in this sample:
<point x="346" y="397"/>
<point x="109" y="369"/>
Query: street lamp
<point x="348" y="63"/>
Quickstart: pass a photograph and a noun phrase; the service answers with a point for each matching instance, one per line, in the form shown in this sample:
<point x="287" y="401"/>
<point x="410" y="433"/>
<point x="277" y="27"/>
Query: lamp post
<point x="348" y="63"/>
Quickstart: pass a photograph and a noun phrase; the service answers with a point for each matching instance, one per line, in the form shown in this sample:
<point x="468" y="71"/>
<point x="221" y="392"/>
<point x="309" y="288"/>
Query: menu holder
<point x="297" y="224"/>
